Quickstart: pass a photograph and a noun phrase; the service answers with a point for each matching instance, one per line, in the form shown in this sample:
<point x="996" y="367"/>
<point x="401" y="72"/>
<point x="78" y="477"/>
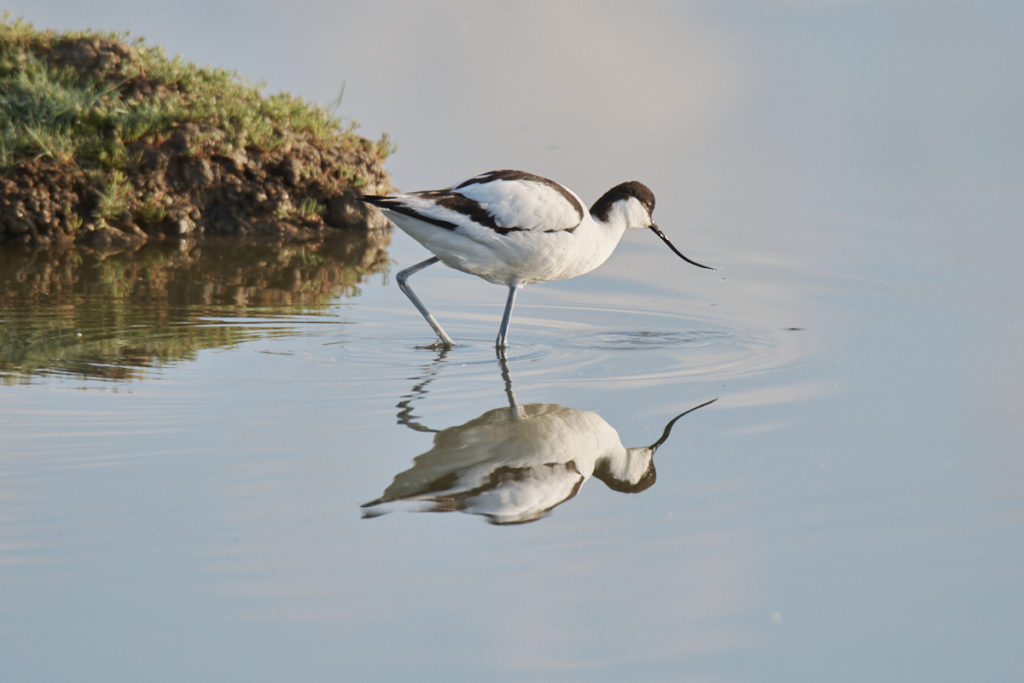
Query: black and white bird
<point x="515" y="466"/>
<point x="515" y="228"/>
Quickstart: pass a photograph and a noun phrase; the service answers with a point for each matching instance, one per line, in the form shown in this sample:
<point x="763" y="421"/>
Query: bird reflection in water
<point x="515" y="464"/>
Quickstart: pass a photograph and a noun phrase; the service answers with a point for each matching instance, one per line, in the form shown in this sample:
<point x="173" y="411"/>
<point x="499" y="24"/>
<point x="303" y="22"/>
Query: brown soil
<point x="249" y="193"/>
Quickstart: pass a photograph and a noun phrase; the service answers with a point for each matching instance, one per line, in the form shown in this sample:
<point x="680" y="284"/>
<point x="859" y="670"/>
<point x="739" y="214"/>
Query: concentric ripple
<point x="574" y="344"/>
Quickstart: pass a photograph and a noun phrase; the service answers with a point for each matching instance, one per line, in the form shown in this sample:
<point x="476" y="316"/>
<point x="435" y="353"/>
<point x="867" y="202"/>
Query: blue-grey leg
<point x="506" y="375"/>
<point x="402" y="278"/>
<point x="515" y="411"/>
<point x="502" y="340"/>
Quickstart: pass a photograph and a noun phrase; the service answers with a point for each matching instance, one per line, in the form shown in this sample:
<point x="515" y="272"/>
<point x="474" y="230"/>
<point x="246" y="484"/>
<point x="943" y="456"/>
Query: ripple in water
<point x="646" y="339"/>
<point x="583" y="344"/>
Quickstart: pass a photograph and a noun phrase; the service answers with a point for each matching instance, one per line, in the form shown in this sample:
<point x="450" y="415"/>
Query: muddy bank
<point x="109" y="144"/>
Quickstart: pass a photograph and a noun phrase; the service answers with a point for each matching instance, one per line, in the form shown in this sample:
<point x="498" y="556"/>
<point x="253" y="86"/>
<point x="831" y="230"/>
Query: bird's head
<point x="633" y="203"/>
<point x="631" y="470"/>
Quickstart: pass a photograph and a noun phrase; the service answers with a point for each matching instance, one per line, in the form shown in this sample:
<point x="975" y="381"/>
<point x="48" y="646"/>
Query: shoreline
<point x="110" y="145"/>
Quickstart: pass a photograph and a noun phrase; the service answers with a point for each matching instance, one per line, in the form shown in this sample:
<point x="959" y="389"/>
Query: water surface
<point x="196" y="440"/>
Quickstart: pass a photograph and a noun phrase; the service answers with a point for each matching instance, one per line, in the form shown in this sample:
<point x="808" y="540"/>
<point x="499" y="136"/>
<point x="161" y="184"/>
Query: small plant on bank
<point x="310" y="207"/>
<point x="114" y="199"/>
<point x="150" y="209"/>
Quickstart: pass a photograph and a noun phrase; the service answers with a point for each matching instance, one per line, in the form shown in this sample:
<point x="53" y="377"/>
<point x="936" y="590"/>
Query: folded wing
<point x="499" y="201"/>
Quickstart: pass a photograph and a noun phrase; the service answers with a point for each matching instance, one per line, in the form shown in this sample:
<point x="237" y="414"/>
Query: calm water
<point x="218" y="463"/>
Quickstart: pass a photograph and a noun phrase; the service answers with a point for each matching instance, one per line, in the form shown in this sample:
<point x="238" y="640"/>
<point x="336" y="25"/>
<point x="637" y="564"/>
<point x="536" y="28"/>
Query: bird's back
<point x="508" y="227"/>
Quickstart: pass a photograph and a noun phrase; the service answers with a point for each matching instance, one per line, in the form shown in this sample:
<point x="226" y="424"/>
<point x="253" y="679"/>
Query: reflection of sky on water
<point x="852" y="168"/>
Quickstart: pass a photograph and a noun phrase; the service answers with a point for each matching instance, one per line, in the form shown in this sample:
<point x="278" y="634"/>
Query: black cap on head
<point x="633" y="188"/>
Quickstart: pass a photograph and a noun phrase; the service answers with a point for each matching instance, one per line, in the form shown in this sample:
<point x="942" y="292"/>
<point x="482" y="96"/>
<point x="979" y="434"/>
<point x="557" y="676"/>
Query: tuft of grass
<point x="310" y="207"/>
<point x="350" y="176"/>
<point x="307" y="209"/>
<point x="114" y="198"/>
<point x="150" y="209"/>
<point x="385" y="147"/>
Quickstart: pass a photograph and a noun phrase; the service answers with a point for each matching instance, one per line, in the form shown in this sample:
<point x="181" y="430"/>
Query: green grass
<point x="114" y="198"/>
<point x="55" y="113"/>
<point x="310" y="207"/>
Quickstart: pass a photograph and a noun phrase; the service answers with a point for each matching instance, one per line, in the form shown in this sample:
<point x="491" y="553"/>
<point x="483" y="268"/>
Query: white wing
<point x="516" y="200"/>
<point x="493" y="202"/>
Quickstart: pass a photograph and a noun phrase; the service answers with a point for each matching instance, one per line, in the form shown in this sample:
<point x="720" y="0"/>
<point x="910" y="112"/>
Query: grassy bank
<point x="121" y="136"/>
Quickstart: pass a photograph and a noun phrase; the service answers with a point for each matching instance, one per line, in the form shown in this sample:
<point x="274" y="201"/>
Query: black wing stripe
<point x="469" y="208"/>
<point x="396" y="205"/>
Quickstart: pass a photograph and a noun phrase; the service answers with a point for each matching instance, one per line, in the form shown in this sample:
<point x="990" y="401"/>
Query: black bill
<point x="659" y="233"/>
